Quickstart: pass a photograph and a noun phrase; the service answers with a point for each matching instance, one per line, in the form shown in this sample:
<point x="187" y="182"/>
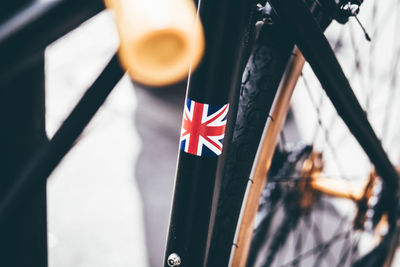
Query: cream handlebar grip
<point x="159" y="39"/>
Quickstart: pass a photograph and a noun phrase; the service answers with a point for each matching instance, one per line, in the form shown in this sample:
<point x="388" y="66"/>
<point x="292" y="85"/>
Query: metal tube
<point x="317" y="51"/>
<point x="31" y="29"/>
<point x="210" y="87"/>
<point x="23" y="239"/>
<point x="23" y="188"/>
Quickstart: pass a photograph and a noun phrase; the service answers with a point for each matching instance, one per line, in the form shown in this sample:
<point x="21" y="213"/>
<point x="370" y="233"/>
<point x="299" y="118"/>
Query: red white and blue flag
<point x="203" y="128"/>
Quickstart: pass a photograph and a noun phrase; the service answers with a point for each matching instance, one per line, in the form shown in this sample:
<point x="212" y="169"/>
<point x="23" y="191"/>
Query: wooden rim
<point x="263" y="161"/>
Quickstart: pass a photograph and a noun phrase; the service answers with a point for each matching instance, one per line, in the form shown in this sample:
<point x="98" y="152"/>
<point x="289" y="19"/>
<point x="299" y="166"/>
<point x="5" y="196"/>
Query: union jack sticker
<point x="203" y="128"/>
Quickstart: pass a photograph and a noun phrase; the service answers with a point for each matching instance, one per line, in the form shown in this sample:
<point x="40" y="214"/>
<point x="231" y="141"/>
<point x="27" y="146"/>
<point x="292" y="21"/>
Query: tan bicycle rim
<point x="263" y="161"/>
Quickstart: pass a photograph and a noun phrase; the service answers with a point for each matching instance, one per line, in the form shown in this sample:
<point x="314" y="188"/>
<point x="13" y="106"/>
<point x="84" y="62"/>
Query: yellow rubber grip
<point x="159" y="39"/>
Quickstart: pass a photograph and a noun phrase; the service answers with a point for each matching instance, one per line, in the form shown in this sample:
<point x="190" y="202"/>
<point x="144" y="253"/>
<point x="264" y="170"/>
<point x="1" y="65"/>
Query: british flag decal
<point x="203" y="128"/>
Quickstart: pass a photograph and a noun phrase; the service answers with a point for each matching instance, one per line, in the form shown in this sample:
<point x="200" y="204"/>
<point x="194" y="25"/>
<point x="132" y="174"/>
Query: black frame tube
<point x="45" y="161"/>
<point x="27" y="32"/>
<point x="215" y="82"/>
<point x="23" y="239"/>
<point x="316" y="49"/>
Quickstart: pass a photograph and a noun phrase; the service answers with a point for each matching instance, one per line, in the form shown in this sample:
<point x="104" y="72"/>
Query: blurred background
<point x="109" y="199"/>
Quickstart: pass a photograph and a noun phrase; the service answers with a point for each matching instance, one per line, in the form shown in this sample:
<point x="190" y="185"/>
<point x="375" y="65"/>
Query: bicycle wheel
<point x="303" y="220"/>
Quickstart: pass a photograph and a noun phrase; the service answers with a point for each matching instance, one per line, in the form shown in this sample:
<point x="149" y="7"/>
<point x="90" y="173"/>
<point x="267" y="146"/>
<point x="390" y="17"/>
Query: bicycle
<point x="233" y="169"/>
<point x="205" y="237"/>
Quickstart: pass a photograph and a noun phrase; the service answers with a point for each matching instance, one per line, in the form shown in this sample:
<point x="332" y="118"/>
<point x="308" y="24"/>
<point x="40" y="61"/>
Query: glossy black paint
<point x="215" y="81"/>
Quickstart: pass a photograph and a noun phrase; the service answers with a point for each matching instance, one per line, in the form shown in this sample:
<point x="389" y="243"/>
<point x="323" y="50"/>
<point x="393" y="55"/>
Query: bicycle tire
<point x="260" y="82"/>
<point x="376" y="256"/>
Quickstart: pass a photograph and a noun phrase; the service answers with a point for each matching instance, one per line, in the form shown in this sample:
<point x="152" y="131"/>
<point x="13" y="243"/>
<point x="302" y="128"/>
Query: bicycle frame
<point x="216" y="83"/>
<point x="307" y="34"/>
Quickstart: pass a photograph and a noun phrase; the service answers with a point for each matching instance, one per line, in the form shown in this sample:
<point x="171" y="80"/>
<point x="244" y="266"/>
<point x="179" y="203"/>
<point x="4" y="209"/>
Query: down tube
<point x="206" y="121"/>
